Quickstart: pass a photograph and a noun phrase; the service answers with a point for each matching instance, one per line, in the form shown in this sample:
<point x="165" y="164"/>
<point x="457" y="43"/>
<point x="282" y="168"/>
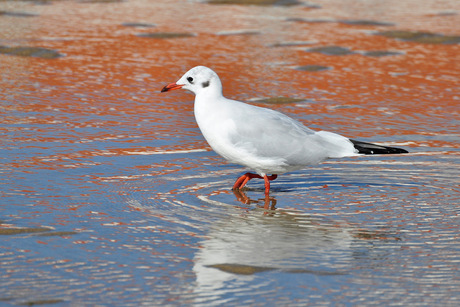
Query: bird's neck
<point x="209" y="96"/>
<point x="208" y="105"/>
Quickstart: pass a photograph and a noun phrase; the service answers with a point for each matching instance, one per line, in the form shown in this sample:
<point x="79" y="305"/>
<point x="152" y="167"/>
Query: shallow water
<point x="110" y="195"/>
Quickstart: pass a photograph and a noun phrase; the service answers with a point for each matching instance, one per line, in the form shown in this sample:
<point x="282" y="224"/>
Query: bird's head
<point x="198" y="79"/>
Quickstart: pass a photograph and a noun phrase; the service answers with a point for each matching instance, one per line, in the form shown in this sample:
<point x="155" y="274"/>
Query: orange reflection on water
<point x="106" y="87"/>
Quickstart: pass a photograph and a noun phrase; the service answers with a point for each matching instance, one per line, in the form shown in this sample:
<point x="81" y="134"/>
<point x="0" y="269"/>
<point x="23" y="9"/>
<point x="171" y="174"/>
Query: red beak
<point x="171" y="86"/>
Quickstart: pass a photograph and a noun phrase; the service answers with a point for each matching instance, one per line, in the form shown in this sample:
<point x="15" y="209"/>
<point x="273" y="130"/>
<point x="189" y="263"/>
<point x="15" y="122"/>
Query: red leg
<point x="241" y="181"/>
<point x="238" y="182"/>
<point x="267" y="182"/>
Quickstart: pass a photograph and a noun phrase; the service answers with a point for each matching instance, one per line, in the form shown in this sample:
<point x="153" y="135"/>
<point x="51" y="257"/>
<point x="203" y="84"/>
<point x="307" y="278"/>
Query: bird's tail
<point x="373" y="149"/>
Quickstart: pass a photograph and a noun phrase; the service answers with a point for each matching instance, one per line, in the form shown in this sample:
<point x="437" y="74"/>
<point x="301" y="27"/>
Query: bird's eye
<point x="190" y="79"/>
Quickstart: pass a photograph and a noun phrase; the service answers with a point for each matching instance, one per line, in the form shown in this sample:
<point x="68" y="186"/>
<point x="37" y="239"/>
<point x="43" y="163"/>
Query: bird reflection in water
<point x="238" y="247"/>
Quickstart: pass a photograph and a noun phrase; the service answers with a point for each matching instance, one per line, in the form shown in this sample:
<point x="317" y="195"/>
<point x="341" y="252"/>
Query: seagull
<point x="264" y="140"/>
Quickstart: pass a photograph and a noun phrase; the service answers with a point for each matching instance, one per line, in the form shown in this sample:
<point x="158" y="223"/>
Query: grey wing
<point x="268" y="133"/>
<point x="265" y="133"/>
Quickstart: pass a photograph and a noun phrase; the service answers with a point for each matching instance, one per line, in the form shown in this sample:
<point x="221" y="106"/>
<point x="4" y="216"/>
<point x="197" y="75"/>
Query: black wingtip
<point x="373" y="149"/>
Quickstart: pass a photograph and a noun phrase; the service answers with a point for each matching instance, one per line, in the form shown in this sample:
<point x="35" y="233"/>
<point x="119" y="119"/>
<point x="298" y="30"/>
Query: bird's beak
<point x="171" y="86"/>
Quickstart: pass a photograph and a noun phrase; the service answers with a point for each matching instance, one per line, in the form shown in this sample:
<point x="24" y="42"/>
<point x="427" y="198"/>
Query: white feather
<point x="261" y="139"/>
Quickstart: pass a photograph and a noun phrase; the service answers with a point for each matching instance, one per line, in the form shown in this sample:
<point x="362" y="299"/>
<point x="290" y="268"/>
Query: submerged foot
<point x="242" y="180"/>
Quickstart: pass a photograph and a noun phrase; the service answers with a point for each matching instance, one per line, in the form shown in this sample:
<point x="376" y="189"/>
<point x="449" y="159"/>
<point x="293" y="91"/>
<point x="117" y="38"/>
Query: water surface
<point x="111" y="196"/>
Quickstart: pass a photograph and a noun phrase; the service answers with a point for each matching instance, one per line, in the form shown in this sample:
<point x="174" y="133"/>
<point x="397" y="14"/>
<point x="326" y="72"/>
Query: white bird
<point x="261" y="139"/>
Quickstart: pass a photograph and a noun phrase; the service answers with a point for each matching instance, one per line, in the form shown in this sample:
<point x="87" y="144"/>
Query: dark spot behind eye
<point x="190" y="79"/>
<point x="205" y="84"/>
